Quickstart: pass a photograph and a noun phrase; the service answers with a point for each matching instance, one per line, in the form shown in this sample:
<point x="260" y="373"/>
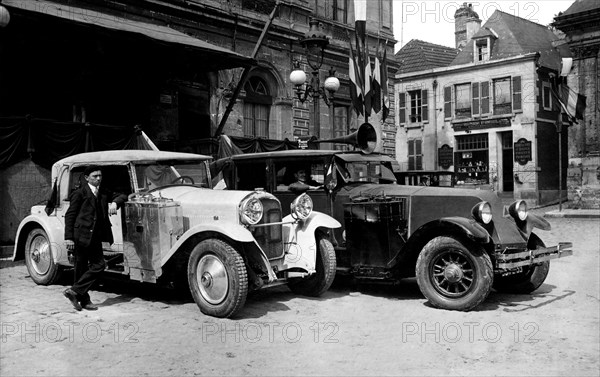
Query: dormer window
<point x="482" y="49"/>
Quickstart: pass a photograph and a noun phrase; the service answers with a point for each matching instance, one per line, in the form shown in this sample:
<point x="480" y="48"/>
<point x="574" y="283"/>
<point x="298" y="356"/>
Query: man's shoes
<point x="89" y="306"/>
<point x="72" y="296"/>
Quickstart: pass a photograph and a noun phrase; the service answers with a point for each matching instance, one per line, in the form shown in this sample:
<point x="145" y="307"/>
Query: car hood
<point x="428" y="204"/>
<point x="202" y="204"/>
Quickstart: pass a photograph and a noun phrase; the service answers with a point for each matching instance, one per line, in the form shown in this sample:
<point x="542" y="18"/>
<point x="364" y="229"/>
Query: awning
<point x="213" y="57"/>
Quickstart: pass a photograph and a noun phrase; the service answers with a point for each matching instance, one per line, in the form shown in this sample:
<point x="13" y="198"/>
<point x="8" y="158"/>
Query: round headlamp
<point x="518" y="210"/>
<point x="482" y="212"/>
<point x="301" y="207"/>
<point x="251" y="211"/>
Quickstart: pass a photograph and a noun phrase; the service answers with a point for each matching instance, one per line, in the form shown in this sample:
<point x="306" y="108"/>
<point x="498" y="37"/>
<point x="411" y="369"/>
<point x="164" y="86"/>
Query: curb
<point x="574" y="214"/>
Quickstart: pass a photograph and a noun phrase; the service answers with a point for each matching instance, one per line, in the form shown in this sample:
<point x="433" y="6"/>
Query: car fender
<point x="54" y="230"/>
<point x="300" y="241"/>
<point x="465" y="227"/>
<point x="535" y="221"/>
<point x="235" y="232"/>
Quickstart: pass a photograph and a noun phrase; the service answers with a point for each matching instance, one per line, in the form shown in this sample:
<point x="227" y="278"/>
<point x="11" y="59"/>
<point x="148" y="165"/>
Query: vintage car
<point x="457" y="242"/>
<point x="175" y="228"/>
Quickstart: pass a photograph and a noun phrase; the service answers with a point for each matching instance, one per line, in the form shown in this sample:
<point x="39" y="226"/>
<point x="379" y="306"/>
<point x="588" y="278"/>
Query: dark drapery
<point x="254" y="145"/>
<point x="47" y="141"/>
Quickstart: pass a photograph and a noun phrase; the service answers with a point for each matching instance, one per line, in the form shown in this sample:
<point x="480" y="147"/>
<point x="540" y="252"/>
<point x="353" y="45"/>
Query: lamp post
<point x="314" y="43"/>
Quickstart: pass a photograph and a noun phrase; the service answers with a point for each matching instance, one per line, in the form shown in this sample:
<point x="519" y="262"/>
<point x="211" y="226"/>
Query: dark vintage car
<point x="459" y="243"/>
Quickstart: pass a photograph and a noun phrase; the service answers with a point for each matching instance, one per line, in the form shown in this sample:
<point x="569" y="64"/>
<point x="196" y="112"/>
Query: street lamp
<point x="314" y="43"/>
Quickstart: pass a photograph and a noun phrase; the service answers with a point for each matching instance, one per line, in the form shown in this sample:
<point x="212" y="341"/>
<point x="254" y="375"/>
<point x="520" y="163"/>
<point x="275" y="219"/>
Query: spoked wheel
<point x="217" y="278"/>
<point x="39" y="260"/>
<point x="451" y="276"/>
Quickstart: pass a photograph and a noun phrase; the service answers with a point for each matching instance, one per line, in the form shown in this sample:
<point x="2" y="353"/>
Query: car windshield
<point x="372" y="172"/>
<point x="151" y="176"/>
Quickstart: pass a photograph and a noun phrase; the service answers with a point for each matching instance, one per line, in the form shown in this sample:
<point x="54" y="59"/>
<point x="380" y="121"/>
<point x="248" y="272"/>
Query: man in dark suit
<point x="86" y="226"/>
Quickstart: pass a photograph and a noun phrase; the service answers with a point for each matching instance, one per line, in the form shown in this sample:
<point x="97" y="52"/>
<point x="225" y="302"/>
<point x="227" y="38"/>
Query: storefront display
<point x="471" y="161"/>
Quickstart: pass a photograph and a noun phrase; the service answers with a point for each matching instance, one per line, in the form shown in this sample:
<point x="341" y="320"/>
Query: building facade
<point x="489" y="115"/>
<point x="171" y="67"/>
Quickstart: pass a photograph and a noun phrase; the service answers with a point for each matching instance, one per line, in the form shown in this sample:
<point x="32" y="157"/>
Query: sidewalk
<point x="574" y="213"/>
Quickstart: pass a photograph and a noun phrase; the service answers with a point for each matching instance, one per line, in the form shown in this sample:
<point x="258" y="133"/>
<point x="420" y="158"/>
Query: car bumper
<point x="529" y="257"/>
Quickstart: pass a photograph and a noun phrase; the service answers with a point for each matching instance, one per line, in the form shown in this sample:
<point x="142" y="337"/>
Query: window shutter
<point x="411" y="155"/>
<point x="424" y="107"/>
<point x="448" y="102"/>
<point x="418" y="155"/>
<point x="402" y="108"/>
<point x="475" y="95"/>
<point x="485" y="97"/>
<point x="516" y="87"/>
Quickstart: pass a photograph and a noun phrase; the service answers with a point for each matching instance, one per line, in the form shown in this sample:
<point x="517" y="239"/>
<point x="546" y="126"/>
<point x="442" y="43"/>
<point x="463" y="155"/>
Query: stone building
<point x="171" y="67"/>
<point x="488" y="115"/>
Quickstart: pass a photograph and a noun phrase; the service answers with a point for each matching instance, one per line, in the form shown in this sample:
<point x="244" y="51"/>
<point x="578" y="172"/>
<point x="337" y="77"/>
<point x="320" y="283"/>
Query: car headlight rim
<point x="301" y="207"/>
<point x="251" y="211"/>
<point x="482" y="212"/>
<point x="518" y="210"/>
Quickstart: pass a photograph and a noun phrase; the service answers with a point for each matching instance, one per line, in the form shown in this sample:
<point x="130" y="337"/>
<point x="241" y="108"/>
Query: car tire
<point x="453" y="277"/>
<point x="528" y="280"/>
<point x="39" y="259"/>
<point x="319" y="282"/>
<point x="217" y="278"/>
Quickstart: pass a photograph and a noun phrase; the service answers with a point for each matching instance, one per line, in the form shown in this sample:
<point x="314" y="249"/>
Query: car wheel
<point x="319" y="282"/>
<point x="217" y="278"/>
<point x="39" y="259"/>
<point x="529" y="279"/>
<point x="451" y="276"/>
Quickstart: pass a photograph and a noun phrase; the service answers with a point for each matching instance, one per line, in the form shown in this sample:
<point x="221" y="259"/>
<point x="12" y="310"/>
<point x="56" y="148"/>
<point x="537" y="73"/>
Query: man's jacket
<point x="82" y="215"/>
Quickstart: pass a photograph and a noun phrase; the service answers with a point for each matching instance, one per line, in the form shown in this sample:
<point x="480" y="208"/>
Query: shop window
<point x="257" y="106"/>
<point x="415" y="154"/>
<point x="462" y="105"/>
<point x="472" y="159"/>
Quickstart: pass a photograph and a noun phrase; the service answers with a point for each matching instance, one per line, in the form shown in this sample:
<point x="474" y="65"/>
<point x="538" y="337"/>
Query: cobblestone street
<point x="352" y="330"/>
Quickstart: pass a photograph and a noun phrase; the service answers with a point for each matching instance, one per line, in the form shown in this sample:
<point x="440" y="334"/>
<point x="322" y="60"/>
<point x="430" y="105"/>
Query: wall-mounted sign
<point x="522" y="149"/>
<point x="446" y="156"/>
<point x="481" y="124"/>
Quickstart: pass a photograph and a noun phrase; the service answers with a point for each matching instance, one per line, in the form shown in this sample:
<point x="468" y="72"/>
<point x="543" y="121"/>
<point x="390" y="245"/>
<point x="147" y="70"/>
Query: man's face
<point x="301" y="175"/>
<point x="95" y="178"/>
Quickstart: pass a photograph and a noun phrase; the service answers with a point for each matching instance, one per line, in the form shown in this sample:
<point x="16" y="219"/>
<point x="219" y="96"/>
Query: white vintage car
<point x="174" y="228"/>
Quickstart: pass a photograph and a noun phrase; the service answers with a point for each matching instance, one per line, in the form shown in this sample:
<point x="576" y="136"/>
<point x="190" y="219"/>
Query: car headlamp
<point x="482" y="212"/>
<point x="518" y="210"/>
<point x="301" y="207"/>
<point x="251" y="211"/>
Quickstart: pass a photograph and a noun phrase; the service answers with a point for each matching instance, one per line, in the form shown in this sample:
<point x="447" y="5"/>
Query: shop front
<point x="475" y="154"/>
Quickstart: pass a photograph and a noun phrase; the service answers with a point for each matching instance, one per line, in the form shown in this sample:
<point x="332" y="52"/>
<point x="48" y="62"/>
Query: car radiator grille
<point x="375" y="229"/>
<point x="270" y="237"/>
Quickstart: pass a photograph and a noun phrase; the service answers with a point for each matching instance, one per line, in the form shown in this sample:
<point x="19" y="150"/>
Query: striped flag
<point x="571" y="103"/>
<point x="384" y="85"/>
<point x="364" y="63"/>
<point x="376" y="86"/>
<point x="356" y="94"/>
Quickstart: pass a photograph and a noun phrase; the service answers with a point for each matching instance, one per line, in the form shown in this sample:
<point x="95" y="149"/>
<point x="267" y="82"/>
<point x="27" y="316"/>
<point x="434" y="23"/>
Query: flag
<point x="571" y="103"/>
<point x="368" y="92"/>
<point x="364" y="63"/>
<point x="355" y="86"/>
<point x="384" y="85"/>
<point x="376" y="85"/>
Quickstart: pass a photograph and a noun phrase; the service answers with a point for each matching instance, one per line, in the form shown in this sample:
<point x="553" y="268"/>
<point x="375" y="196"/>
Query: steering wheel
<point x="183" y="178"/>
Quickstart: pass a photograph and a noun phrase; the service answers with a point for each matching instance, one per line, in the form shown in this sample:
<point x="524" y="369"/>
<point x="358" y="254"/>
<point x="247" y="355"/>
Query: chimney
<point x="466" y="24"/>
